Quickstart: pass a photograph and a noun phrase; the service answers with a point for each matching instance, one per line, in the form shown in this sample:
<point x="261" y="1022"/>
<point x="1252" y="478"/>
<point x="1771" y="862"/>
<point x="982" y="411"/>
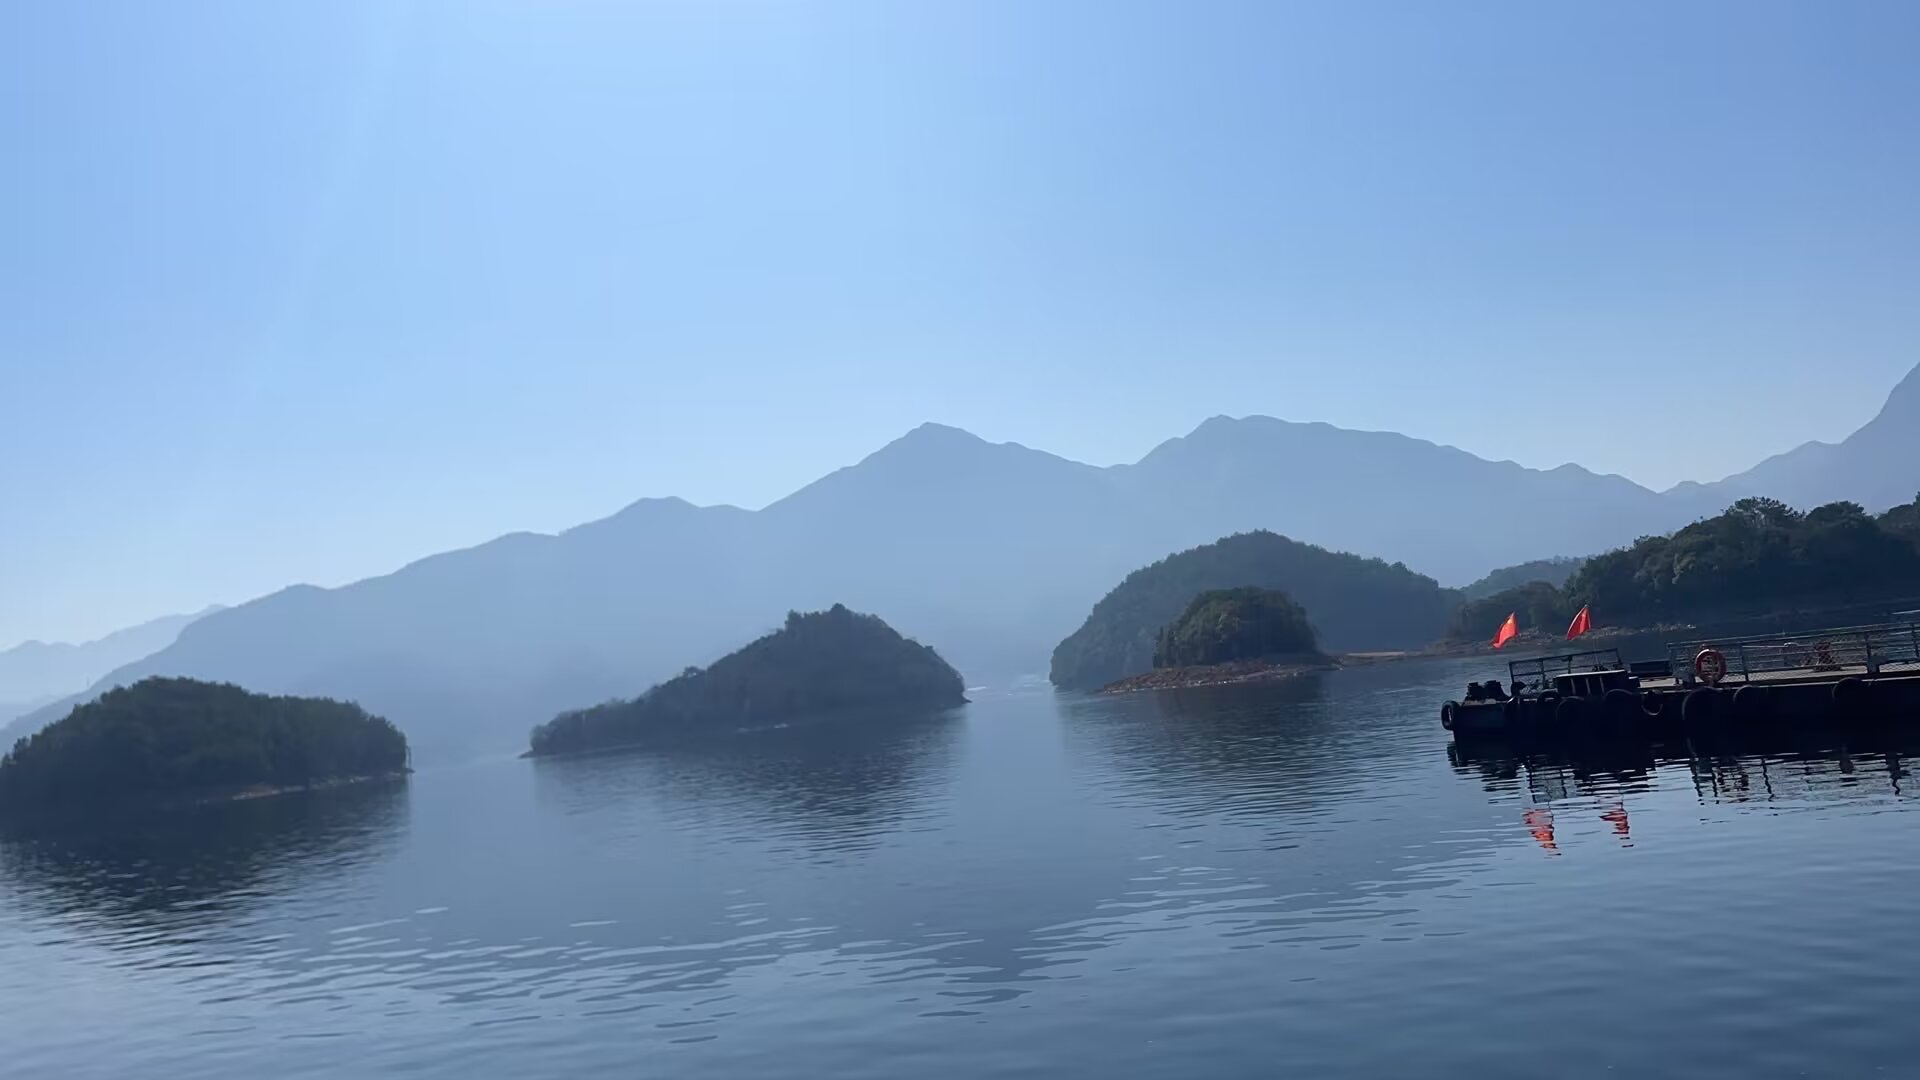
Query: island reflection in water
<point x="829" y="786"/>
<point x="185" y="866"/>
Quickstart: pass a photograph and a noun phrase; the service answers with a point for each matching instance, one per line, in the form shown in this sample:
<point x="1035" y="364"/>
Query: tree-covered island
<point x="182" y="739"/>
<point x="821" y="663"/>
<point x="1243" y="634"/>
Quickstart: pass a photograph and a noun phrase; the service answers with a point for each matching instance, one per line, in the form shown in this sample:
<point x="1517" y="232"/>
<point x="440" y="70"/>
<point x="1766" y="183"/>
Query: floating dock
<point x="1836" y="675"/>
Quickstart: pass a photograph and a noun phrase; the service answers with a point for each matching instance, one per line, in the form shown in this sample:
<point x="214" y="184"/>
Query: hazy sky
<point x="299" y="292"/>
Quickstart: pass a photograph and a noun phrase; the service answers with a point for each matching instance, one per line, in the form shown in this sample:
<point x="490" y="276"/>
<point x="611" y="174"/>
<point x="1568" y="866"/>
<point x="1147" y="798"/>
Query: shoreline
<point x="1258" y="671"/>
<point x="1529" y="641"/>
<point x="268" y="791"/>
<point x="699" y="736"/>
<point x="1232" y="673"/>
<point x="64" y="813"/>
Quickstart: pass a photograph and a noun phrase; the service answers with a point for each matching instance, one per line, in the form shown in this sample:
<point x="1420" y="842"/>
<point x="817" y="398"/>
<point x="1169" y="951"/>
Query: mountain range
<point x="36" y="672"/>
<point x="1875" y="466"/>
<point x="991" y="553"/>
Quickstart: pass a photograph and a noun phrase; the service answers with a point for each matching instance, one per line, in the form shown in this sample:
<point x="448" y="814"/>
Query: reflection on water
<point x="834" y="785"/>
<point x="1773" y="770"/>
<point x="1246" y="751"/>
<point x="1778" y="773"/>
<point x="1296" y="879"/>
<point x="188" y="865"/>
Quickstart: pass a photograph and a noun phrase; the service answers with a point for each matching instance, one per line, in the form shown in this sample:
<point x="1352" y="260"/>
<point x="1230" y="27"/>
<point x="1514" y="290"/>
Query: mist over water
<point x="1290" y="880"/>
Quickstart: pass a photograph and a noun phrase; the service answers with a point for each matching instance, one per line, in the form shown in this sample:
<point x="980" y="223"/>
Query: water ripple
<point x="1293" y="879"/>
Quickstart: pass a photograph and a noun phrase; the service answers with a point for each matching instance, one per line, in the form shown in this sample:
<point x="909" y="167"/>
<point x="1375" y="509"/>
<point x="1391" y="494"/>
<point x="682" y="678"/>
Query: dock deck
<point x="1826" y="655"/>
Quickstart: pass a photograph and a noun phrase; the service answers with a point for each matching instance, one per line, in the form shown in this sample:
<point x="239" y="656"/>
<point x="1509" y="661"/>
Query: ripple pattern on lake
<point x="1295" y="879"/>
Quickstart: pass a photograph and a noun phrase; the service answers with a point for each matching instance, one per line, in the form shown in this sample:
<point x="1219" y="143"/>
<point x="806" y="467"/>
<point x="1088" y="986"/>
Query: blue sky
<point x="300" y="292"/>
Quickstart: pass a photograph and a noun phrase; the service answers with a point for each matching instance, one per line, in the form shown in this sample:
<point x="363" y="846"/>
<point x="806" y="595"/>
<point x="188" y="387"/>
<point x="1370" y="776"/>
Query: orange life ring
<point x="1710" y="665"/>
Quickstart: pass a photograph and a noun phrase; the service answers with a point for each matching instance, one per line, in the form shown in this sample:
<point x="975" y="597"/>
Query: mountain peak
<point x="938" y="435"/>
<point x="939" y="446"/>
<point x="1872" y="466"/>
<point x="1904" y="401"/>
<point x="669" y="504"/>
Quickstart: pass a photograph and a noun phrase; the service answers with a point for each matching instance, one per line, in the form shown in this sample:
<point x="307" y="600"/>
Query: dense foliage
<point x="1246" y="623"/>
<point x="1904" y="521"/>
<point x="824" y="662"/>
<point x="1357" y="603"/>
<point x="1760" y="554"/>
<point x="181" y="736"/>
<point x="1554" y="571"/>
<point x="1538" y="605"/>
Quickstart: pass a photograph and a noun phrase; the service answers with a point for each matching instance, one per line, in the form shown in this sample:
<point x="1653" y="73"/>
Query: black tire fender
<point x="1700" y="707"/>
<point x="1752" y="702"/>
<point x="1572" y="712"/>
<point x="1851" y="694"/>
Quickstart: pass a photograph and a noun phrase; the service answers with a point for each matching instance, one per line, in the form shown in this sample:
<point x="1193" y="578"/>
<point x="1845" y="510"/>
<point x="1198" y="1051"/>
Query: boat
<point x="1848" y="674"/>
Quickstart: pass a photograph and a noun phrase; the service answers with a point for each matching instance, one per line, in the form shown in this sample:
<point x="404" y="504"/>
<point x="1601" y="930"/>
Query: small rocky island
<point x="1235" y="635"/>
<point x="185" y="740"/>
<point x="819" y="664"/>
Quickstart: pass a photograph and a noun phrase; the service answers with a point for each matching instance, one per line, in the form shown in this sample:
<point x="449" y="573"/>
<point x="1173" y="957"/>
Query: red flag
<point x="1508" y="630"/>
<point x="1582" y="623"/>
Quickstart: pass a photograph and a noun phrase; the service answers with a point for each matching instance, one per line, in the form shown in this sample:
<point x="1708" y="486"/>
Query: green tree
<point x="1537" y="605"/>
<point x="1759" y="553"/>
<point x="1246" y="623"/>
<point x="1904" y="521"/>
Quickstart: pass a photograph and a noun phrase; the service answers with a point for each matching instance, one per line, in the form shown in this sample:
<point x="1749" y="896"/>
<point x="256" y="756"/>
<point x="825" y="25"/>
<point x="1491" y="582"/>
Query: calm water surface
<point x="1282" y="881"/>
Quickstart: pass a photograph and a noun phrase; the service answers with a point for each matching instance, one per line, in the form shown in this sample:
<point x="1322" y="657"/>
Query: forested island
<point x="182" y="739"/>
<point x="1760" y="556"/>
<point x="1357" y="603"/>
<point x="821" y="663"/>
<point x="1244" y="634"/>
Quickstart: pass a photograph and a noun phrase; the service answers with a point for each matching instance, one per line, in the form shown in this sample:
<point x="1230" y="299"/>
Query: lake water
<point x="1292" y="880"/>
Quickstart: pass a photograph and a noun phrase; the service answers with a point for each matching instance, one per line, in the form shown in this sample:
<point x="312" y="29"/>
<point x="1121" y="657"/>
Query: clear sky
<point x="300" y="292"/>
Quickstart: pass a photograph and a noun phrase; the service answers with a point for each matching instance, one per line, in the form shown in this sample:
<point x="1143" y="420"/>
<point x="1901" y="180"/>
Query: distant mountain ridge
<point x="34" y="672"/>
<point x="990" y="553"/>
<point x="1392" y="496"/>
<point x="1877" y="466"/>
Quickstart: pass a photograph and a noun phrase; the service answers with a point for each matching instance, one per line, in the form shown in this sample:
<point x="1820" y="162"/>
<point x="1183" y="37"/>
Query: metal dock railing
<point x="1537" y="672"/>
<point x="1881" y="649"/>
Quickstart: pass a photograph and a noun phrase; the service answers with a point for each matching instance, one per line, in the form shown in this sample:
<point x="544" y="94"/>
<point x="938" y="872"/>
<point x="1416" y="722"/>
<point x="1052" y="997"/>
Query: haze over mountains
<point x="990" y="553"/>
<point x="36" y="672"/>
<point x="1875" y="466"/>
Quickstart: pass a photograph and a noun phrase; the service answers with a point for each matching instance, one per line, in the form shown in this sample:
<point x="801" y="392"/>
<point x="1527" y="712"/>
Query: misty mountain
<point x="1554" y="571"/>
<point x="1438" y="509"/>
<point x="990" y="553"/>
<point x="473" y="646"/>
<point x="1877" y="466"/>
<point x="37" y="672"/>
